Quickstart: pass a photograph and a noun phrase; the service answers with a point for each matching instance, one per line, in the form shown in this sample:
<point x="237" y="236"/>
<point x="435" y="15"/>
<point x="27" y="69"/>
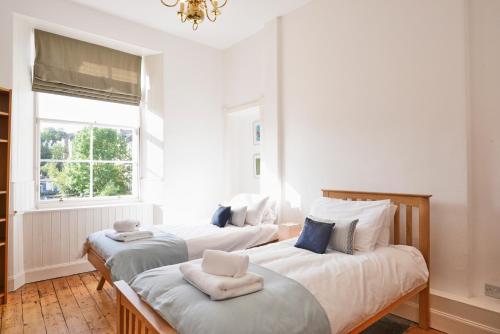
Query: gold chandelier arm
<point x="173" y="5"/>
<point x="223" y="4"/>
<point x="207" y="13"/>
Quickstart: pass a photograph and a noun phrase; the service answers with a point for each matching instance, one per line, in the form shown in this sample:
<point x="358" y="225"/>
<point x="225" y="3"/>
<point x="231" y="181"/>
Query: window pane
<point x="59" y="141"/>
<point x="112" y="179"/>
<point x="85" y="110"/>
<point x="113" y="144"/>
<point x="64" y="180"/>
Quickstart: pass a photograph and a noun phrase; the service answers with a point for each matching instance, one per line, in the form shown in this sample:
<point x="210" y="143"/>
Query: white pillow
<point x="270" y="213"/>
<point x="238" y="215"/>
<point x="269" y="217"/>
<point x="385" y="233"/>
<point x="371" y="219"/>
<point x="256" y="205"/>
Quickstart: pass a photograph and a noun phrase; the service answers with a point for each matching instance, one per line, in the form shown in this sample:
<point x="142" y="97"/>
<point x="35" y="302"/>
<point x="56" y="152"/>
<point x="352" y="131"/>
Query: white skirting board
<point x="454" y="317"/>
<point x="50" y="272"/>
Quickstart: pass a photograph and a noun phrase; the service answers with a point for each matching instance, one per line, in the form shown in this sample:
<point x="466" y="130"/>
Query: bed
<point x="404" y="265"/>
<point x="198" y="236"/>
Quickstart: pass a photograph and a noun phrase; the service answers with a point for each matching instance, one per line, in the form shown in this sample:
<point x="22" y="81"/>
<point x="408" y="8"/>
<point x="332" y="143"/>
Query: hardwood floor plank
<point x="101" y="298"/>
<point x="12" y="315"/>
<point x="75" y="321"/>
<point x="95" y="319"/>
<point x="29" y="293"/>
<point x="33" y="322"/>
<point x="51" y="310"/>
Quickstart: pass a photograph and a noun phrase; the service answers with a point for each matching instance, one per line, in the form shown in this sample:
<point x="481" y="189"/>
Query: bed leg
<point x="424" y="309"/>
<point x="100" y="285"/>
<point x="119" y="312"/>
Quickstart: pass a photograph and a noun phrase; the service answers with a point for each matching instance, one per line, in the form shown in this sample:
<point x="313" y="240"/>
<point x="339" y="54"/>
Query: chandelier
<point x="195" y="11"/>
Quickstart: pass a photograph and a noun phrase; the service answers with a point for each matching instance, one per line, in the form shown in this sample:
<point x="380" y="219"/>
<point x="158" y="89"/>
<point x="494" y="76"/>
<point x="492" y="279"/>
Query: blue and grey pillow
<point x="342" y="237"/>
<point x="221" y="216"/>
<point x="315" y="236"/>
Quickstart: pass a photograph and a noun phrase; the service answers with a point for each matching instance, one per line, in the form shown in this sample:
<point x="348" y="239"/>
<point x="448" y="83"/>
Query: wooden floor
<point x="67" y="305"/>
<point x="63" y="305"/>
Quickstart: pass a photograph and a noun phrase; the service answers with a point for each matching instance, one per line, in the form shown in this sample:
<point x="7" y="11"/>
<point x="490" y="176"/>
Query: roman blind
<point x="67" y="66"/>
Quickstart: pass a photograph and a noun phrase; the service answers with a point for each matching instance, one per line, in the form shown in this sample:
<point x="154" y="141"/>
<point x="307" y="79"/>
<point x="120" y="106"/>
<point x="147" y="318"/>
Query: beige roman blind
<point x="71" y="67"/>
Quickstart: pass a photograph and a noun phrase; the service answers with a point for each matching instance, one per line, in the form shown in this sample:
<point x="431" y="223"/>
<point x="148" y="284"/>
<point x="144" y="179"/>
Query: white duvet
<point x="350" y="288"/>
<point x="203" y="235"/>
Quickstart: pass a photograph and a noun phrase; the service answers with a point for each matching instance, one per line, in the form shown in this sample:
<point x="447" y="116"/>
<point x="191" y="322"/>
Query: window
<point x="87" y="149"/>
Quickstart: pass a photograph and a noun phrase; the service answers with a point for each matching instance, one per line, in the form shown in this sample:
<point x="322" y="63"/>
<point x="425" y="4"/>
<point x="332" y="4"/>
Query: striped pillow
<point x="342" y="238"/>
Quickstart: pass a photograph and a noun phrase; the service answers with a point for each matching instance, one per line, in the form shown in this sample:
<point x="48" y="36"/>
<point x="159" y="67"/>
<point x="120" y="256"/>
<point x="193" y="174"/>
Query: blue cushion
<point x="315" y="236"/>
<point x="221" y="216"/>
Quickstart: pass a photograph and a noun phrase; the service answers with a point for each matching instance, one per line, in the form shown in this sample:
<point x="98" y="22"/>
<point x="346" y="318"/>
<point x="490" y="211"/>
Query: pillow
<point x="269" y="216"/>
<point x="385" y="233"/>
<point x="238" y="216"/>
<point x="270" y="213"/>
<point x="221" y="216"/>
<point x="255" y="211"/>
<point x="256" y="205"/>
<point x="342" y="239"/>
<point x="315" y="236"/>
<point x="371" y="219"/>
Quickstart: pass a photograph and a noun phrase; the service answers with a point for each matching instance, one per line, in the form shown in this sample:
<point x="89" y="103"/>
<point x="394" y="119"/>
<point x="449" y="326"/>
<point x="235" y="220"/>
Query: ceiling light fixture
<point x="195" y="11"/>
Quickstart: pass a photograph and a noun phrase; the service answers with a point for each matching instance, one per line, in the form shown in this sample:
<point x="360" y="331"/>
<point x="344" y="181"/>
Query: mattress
<point x="201" y="235"/>
<point x="350" y="288"/>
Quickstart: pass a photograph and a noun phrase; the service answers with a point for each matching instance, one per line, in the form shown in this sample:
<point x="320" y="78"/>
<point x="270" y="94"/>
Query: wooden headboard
<point x="406" y="202"/>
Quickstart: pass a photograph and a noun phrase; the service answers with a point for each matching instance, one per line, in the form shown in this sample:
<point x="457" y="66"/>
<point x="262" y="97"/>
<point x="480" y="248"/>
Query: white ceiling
<point x="239" y="20"/>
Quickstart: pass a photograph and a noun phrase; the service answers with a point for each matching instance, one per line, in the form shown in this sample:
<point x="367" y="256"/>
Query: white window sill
<point x="68" y="205"/>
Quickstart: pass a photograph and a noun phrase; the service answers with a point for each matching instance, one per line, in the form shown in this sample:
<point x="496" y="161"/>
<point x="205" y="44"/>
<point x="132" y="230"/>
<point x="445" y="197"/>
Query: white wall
<point x="187" y="115"/>
<point x="485" y="145"/>
<point x="374" y="99"/>
<point x="374" y="76"/>
<point x="391" y="95"/>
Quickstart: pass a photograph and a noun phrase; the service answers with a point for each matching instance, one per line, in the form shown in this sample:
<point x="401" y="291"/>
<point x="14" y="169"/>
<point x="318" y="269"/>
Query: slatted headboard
<point x="406" y="202"/>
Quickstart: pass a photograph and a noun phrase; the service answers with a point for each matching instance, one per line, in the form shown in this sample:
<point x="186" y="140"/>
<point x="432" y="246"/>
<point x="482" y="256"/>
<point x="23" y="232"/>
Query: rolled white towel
<point x="224" y="264"/>
<point x="221" y="287"/>
<point x="128" y="236"/>
<point x="127" y="225"/>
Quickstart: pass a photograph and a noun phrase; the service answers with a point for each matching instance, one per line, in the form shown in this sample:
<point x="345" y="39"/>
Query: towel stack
<point x="222" y="275"/>
<point x="127" y="230"/>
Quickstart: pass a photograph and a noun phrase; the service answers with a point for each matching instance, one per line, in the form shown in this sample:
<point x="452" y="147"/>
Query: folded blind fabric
<point x="71" y="67"/>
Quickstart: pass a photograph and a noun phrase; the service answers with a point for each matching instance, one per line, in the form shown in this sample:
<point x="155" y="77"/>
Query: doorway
<point x="243" y="151"/>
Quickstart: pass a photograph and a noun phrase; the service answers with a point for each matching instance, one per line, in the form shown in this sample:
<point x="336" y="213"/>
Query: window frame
<point x="88" y="201"/>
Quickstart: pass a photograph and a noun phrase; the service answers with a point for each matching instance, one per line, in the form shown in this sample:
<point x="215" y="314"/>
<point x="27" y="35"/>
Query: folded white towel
<point x="224" y="264"/>
<point x="127" y="225"/>
<point x="221" y="287"/>
<point x="129" y="236"/>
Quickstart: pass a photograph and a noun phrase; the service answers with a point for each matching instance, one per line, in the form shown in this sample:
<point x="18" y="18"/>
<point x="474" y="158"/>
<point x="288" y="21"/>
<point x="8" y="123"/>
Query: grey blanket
<point x="127" y="259"/>
<point x="283" y="307"/>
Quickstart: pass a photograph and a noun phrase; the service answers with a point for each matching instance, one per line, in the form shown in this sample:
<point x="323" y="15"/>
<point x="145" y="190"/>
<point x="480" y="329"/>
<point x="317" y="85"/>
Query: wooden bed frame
<point x="99" y="264"/>
<point x="135" y="316"/>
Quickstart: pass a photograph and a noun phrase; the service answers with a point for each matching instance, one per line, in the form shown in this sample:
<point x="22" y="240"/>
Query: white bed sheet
<point x="349" y="287"/>
<point x="201" y="235"/>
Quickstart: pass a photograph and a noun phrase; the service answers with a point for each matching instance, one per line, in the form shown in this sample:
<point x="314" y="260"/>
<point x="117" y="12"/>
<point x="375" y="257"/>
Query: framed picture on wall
<point x="257" y="133"/>
<point x="256" y="165"/>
